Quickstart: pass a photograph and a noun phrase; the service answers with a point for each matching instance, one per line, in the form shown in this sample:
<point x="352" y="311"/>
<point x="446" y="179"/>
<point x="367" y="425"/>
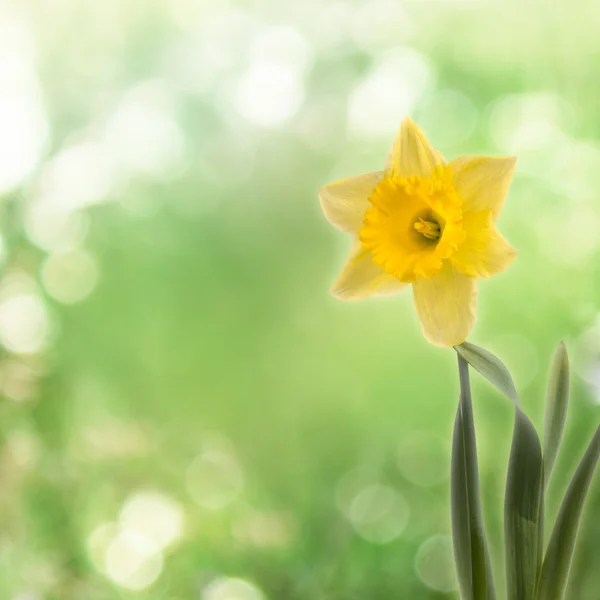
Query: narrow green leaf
<point x="523" y="511"/>
<point x="523" y="505"/>
<point x="491" y="367"/>
<point x="557" y="401"/>
<point x="461" y="528"/>
<point x="473" y="563"/>
<point x="555" y="570"/>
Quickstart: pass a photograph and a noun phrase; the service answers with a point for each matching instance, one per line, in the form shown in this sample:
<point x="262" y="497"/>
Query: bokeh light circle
<point x="133" y="561"/>
<point x="269" y="93"/>
<point x="434" y="564"/>
<point x="70" y="276"/>
<point x="379" y="514"/>
<point x="154" y="515"/>
<point x="24" y="325"/>
<point x="214" y="479"/>
<point x="231" y="588"/>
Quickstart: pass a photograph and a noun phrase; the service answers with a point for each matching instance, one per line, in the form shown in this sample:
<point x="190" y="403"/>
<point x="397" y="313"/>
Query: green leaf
<point x="555" y="570"/>
<point x="523" y="511"/>
<point x="523" y="503"/>
<point x="557" y="401"/>
<point x="491" y="367"/>
<point x="470" y="546"/>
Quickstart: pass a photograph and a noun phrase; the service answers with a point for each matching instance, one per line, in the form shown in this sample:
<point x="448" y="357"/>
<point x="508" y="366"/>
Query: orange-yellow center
<point x="430" y="229"/>
<point x="413" y="225"/>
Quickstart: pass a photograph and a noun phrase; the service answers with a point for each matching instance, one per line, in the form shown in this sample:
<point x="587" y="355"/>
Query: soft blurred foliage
<point x="185" y="411"/>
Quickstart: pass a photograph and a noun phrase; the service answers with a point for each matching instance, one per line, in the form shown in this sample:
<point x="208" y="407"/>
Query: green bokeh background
<point x="186" y="412"/>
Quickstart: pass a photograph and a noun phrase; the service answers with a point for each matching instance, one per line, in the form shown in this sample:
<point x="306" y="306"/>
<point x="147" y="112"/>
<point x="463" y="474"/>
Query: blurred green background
<point x="185" y="412"/>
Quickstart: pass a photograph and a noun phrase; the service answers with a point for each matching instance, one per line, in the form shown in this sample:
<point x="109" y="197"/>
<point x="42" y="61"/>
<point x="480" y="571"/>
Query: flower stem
<point x="470" y="546"/>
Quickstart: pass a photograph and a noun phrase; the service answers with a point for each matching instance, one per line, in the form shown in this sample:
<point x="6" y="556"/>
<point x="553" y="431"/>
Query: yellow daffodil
<point x="425" y="222"/>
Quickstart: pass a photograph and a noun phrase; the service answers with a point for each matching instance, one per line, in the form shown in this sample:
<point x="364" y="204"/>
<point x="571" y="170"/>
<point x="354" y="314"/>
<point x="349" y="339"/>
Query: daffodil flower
<point x="425" y="222"/>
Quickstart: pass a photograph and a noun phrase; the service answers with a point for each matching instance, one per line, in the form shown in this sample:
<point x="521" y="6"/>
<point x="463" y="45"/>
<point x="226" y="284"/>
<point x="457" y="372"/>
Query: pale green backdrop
<point x="185" y="412"/>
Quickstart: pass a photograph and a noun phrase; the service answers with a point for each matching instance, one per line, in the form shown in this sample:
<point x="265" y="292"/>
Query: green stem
<point x="466" y="504"/>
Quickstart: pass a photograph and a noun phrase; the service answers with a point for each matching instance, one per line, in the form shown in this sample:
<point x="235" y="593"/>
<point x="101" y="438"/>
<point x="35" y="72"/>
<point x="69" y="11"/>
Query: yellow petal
<point x="346" y="201"/>
<point x="412" y="154"/>
<point x="482" y="181"/>
<point x="361" y="277"/>
<point x="484" y="252"/>
<point x="446" y="306"/>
